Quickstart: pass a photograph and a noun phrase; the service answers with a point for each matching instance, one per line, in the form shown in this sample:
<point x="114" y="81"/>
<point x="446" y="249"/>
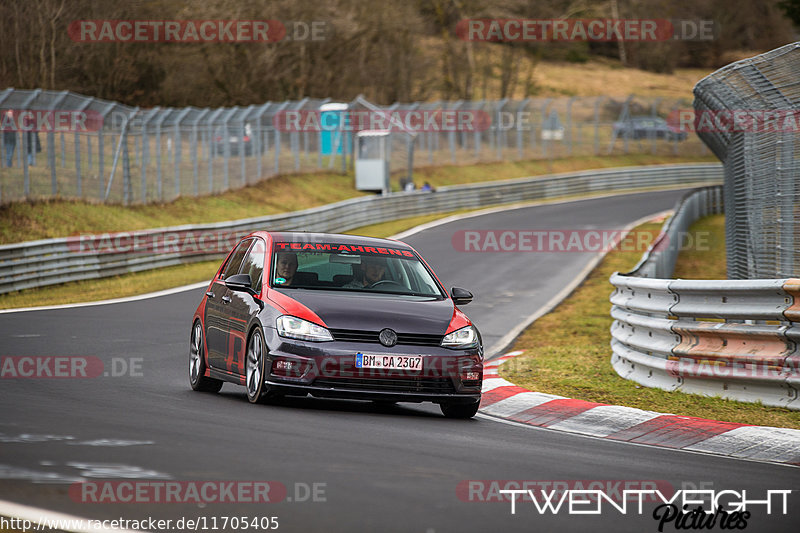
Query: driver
<point x="285" y="268"/>
<point x="374" y="271"/>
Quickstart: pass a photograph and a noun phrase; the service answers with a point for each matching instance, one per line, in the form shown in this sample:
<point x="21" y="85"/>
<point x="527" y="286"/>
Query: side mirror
<point x="240" y="282"/>
<point x="460" y="296"/>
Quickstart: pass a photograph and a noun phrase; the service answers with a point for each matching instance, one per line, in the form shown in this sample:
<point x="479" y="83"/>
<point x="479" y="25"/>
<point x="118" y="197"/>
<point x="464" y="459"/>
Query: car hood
<point x="373" y="312"/>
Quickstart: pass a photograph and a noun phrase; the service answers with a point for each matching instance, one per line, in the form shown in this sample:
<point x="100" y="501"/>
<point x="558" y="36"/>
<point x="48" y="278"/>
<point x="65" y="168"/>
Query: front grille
<point x="352" y="335"/>
<point x="408" y="339"/>
<point x="419" y="339"/>
<point x="423" y="385"/>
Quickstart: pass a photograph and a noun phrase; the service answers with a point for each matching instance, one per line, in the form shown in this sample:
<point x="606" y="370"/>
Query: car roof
<point x="290" y="236"/>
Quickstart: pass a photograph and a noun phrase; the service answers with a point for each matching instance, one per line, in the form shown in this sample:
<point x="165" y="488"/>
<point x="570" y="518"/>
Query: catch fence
<point x="126" y="155"/>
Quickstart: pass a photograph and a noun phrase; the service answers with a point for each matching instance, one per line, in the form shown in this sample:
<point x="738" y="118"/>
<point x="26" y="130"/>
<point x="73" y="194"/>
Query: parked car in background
<point x="232" y="135"/>
<point x="647" y="127"/>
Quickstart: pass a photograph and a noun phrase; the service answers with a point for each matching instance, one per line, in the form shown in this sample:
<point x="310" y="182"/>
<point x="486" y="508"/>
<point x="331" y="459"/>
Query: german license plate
<point x="394" y="362"/>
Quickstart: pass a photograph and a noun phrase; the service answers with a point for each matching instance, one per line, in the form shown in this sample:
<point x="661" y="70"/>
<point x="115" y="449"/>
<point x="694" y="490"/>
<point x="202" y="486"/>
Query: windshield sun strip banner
<point x="342" y="248"/>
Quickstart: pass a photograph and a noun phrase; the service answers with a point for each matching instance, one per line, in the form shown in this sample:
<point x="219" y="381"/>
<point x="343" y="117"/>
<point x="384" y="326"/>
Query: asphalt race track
<point x="374" y="468"/>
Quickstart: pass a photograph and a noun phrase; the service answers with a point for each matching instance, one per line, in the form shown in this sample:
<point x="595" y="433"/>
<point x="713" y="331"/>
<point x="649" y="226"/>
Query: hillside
<point x="396" y="50"/>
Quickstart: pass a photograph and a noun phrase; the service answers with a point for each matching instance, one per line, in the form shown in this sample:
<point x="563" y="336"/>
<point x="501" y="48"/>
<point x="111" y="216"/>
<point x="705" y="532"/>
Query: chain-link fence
<point x="68" y="145"/>
<point x="749" y="115"/>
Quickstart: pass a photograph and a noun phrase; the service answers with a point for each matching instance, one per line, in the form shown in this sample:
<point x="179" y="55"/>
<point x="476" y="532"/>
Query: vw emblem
<point x="387" y="337"/>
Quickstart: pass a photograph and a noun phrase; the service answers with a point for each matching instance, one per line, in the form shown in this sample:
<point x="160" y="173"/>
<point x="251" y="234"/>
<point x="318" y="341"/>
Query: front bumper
<point x="343" y="392"/>
<point x="328" y="370"/>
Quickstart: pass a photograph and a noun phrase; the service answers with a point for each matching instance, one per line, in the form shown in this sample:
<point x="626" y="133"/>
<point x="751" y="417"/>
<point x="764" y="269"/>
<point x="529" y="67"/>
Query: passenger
<point x="374" y="269"/>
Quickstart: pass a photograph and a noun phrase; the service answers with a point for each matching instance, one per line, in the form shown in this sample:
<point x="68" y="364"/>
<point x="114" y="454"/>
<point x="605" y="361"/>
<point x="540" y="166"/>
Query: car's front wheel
<point x="459" y="410"/>
<point x="197" y="364"/>
<point x="256" y="369"/>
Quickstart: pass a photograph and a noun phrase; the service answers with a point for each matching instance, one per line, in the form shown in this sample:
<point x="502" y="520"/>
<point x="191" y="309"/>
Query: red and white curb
<point x="505" y="400"/>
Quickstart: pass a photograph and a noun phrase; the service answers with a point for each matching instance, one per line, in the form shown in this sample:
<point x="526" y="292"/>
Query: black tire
<point x="256" y="369"/>
<point x="459" y="410"/>
<point x="197" y="363"/>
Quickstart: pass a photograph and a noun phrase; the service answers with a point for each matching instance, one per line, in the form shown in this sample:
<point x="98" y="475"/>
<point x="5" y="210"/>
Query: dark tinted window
<point x="254" y="263"/>
<point x="235" y="261"/>
<point x="357" y="269"/>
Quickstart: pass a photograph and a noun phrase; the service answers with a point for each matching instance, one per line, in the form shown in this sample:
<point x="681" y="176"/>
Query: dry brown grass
<point x="609" y="78"/>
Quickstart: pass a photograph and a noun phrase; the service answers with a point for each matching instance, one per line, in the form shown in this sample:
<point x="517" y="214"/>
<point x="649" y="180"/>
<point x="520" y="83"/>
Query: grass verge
<point x="567" y="351"/>
<point x="703" y="256"/>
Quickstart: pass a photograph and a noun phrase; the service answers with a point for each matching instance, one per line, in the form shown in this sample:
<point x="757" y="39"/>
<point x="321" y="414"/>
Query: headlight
<point x="465" y="337"/>
<point x="297" y="328"/>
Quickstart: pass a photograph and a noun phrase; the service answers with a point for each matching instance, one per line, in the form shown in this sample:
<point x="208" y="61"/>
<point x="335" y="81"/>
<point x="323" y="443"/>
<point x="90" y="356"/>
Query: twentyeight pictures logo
<point x="196" y="31"/>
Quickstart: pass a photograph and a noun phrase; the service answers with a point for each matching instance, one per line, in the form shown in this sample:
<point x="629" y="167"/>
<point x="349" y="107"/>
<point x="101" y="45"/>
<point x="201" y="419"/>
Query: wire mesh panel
<point x="748" y="113"/>
<point x="62" y="144"/>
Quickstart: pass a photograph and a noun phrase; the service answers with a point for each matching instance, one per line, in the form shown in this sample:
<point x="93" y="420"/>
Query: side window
<point x="254" y="263"/>
<point x="235" y="261"/>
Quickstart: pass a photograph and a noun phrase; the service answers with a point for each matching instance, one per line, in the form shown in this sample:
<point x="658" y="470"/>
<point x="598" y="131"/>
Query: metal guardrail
<point x="736" y="339"/>
<point x="659" y="260"/>
<point x="51" y="261"/>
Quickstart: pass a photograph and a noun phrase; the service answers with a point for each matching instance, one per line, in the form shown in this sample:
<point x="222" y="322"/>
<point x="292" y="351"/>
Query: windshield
<point x="351" y="268"/>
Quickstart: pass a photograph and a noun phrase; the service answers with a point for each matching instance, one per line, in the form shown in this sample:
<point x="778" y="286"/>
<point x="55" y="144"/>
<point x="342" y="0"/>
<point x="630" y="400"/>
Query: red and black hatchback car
<point x="335" y="316"/>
